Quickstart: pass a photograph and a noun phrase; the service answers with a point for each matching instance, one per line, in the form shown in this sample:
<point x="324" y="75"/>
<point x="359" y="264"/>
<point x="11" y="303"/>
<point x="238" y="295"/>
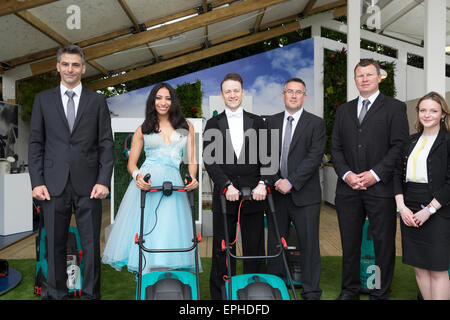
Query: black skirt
<point x="428" y="246"/>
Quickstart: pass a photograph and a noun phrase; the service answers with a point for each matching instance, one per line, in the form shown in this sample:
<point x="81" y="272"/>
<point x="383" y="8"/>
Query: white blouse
<point x="416" y="170"/>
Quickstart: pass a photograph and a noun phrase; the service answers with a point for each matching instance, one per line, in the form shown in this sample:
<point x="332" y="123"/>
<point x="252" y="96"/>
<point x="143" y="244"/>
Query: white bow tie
<point x="236" y="114"/>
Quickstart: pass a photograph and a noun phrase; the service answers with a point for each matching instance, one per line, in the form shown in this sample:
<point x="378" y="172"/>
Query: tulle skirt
<point x="167" y="225"/>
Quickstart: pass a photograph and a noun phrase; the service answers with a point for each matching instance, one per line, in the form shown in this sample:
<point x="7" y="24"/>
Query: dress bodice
<point x="158" y="152"/>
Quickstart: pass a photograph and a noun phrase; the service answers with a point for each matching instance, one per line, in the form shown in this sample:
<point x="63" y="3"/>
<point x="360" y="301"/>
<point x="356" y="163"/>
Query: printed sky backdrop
<point x="263" y="75"/>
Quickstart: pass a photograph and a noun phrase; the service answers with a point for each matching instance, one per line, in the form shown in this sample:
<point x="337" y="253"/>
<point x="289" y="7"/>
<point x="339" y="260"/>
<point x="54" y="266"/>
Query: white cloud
<point x="266" y="92"/>
<point x="131" y="104"/>
<point x="289" y="60"/>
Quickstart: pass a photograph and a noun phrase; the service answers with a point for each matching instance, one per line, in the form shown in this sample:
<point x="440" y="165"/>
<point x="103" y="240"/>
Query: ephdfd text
<point x="226" y="310"/>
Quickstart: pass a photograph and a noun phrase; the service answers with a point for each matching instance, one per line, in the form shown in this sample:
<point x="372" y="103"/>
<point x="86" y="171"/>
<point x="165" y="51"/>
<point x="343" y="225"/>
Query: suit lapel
<point x="377" y="104"/>
<point x="439" y="140"/>
<point x="59" y="107"/>
<point x="222" y="122"/>
<point x="278" y="120"/>
<point x="299" y="129"/>
<point x="248" y="124"/>
<point x="413" y="143"/>
<point x="354" y="111"/>
<point x="81" y="108"/>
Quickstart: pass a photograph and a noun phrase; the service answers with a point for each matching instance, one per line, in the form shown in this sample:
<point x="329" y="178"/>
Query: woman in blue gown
<point x="166" y="137"/>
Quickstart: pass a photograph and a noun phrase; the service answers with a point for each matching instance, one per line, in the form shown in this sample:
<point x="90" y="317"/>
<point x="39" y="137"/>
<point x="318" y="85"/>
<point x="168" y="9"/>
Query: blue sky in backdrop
<point x="263" y="75"/>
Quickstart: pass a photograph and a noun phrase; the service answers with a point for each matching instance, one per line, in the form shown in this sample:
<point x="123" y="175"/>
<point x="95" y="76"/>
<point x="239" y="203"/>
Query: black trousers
<point x="252" y="233"/>
<point x="306" y="220"/>
<point x="352" y="211"/>
<point x="57" y="214"/>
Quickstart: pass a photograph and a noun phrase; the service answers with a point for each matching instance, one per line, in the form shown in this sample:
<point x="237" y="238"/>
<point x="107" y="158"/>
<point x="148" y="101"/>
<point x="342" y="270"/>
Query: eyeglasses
<point x="297" y="92"/>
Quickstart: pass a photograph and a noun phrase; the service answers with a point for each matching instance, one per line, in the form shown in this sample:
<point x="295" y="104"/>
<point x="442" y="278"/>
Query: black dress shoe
<point x="348" y="296"/>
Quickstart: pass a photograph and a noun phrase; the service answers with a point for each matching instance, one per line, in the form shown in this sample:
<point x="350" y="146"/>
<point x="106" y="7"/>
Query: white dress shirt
<point x="416" y="169"/>
<point x="296" y="117"/>
<point x="76" y="97"/>
<point x="236" y="126"/>
<point x="372" y="99"/>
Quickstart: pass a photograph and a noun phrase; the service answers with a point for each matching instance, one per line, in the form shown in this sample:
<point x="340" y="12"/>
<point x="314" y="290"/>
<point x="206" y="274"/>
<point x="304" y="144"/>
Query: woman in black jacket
<point x="422" y="194"/>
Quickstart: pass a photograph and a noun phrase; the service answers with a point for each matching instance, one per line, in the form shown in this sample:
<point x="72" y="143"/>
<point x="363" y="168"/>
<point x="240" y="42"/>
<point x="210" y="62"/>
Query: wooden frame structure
<point x="204" y="22"/>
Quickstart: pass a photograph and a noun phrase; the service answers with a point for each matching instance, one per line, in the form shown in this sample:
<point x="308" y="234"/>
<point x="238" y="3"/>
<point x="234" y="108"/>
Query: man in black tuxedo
<point x="368" y="134"/>
<point x="70" y="162"/>
<point x="232" y="161"/>
<point x="298" y="193"/>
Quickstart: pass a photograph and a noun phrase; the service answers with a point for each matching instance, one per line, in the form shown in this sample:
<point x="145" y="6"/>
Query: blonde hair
<point x="445" y="122"/>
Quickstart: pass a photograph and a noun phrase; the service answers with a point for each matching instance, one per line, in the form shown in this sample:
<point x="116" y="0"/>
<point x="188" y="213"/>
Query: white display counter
<point x="16" y="204"/>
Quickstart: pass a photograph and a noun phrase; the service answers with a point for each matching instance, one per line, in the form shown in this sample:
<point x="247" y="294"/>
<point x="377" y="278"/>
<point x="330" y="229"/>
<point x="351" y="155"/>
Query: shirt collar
<point x="77" y="89"/>
<point x="372" y="98"/>
<point x="296" y="115"/>
<point x="236" y="114"/>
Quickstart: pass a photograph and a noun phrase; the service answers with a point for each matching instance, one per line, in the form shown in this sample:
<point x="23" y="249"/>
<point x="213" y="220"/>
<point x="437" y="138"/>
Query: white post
<point x="435" y="36"/>
<point x="401" y="74"/>
<point x="8" y="88"/>
<point x="318" y="76"/>
<point x="9" y="80"/>
<point x="353" y="45"/>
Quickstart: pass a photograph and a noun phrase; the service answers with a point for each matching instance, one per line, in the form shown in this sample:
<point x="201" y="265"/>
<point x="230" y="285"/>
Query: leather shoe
<point x="348" y="296"/>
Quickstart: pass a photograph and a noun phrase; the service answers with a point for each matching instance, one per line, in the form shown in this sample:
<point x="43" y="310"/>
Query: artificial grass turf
<point x="121" y="285"/>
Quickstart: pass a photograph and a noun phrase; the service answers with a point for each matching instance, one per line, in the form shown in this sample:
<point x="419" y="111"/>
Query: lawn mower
<point x="167" y="284"/>
<point x="255" y="286"/>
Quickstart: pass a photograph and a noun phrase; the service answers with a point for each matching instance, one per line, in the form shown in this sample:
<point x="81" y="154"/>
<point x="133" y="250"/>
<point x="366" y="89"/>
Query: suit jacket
<point x="375" y="144"/>
<point x="242" y="172"/>
<point x="438" y="167"/>
<point x="86" y="154"/>
<point x="304" y="158"/>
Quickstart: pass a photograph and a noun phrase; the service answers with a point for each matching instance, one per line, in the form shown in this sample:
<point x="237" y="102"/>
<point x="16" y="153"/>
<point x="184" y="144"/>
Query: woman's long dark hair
<point x="176" y="117"/>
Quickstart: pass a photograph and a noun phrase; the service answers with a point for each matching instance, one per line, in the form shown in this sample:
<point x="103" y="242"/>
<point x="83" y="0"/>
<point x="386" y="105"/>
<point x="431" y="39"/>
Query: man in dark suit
<point x="298" y="193"/>
<point x="368" y="134"/>
<point x="70" y="163"/>
<point x="232" y="161"/>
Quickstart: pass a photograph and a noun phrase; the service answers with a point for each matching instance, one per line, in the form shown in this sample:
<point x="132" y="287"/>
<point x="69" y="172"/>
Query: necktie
<point x="70" y="109"/>
<point x="363" y="111"/>
<point x="286" y="144"/>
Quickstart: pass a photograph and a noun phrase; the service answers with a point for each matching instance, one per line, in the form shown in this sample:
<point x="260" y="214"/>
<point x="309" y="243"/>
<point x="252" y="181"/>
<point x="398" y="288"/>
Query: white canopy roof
<point x="150" y="36"/>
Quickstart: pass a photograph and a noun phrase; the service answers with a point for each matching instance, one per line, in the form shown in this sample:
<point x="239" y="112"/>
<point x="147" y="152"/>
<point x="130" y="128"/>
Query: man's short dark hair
<point x="232" y="76"/>
<point x="295" y="80"/>
<point x="71" y="49"/>
<point x="368" y="62"/>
